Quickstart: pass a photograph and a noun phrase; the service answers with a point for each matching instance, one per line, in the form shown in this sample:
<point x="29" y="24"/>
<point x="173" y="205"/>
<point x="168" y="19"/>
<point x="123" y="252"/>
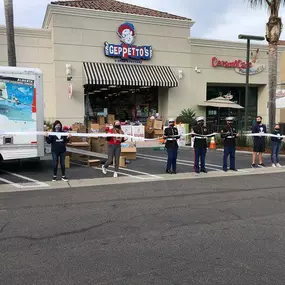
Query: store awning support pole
<point x="246" y="85"/>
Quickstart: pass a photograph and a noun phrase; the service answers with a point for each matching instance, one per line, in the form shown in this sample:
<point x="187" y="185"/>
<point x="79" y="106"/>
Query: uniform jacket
<point x="200" y="142"/>
<point x="171" y="135"/>
<point x="229" y="135"/>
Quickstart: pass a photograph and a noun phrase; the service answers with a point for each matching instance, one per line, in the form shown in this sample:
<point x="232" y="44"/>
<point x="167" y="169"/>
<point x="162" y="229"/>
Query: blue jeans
<point x="200" y="157"/>
<point x="171" y="158"/>
<point x="55" y="157"/>
<point x="275" y="152"/>
<point x="229" y="151"/>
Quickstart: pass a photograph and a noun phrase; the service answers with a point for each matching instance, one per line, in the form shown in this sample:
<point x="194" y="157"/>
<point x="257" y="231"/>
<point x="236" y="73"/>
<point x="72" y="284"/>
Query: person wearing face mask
<point x="114" y="147"/>
<point x="229" y="134"/>
<point x="200" y="145"/>
<point x="171" y="136"/>
<point x="258" y="142"/>
<point x="58" y="150"/>
<point x="276" y="145"/>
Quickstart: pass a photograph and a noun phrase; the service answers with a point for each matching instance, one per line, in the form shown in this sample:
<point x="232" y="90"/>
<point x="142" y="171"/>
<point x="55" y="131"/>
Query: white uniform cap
<point x="198" y="119"/>
<point x="230" y="118"/>
<point x="171" y="120"/>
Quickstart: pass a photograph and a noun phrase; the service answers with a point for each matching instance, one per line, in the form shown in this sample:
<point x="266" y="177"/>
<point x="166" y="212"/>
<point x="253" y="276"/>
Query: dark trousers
<point x="114" y="150"/>
<point x="172" y="158"/>
<point x="58" y="157"/>
<point x="200" y="157"/>
<point x="229" y="151"/>
<point x="275" y="152"/>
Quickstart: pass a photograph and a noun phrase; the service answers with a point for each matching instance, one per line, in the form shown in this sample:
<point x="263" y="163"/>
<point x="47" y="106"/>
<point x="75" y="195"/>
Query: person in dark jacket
<point x="200" y="145"/>
<point x="58" y="150"/>
<point x="258" y="142"/>
<point x="276" y="145"/>
<point x="229" y="134"/>
<point x="171" y="136"/>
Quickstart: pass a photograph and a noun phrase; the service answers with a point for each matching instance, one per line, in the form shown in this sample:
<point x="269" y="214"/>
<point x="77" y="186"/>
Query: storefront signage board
<point x="238" y="65"/>
<point x="126" y="50"/>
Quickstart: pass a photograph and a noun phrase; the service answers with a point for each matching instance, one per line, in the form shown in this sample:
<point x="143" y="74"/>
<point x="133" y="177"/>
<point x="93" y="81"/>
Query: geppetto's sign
<point x="239" y="65"/>
<point x="126" y="50"/>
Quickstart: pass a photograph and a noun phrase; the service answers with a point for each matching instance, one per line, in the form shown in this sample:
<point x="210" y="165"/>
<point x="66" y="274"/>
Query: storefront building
<point x="134" y="62"/>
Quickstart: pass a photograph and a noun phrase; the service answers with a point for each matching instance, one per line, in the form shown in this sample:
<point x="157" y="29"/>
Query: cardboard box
<point x="77" y="126"/>
<point x="150" y="123"/>
<point x="67" y="162"/>
<point x="99" y="145"/>
<point x="158" y="132"/>
<point x="129" y="152"/>
<point x="101" y="120"/>
<point x="122" y="162"/>
<point x="111" y="119"/>
<point x="157" y="125"/>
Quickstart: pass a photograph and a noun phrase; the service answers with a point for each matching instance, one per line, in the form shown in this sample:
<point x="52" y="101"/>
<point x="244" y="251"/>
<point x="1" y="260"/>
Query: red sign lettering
<point x="229" y="64"/>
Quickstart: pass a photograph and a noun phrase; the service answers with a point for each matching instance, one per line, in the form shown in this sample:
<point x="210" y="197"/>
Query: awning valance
<point x="97" y="73"/>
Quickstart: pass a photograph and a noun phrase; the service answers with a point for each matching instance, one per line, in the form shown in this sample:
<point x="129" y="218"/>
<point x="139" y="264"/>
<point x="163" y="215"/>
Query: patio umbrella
<point x="220" y="102"/>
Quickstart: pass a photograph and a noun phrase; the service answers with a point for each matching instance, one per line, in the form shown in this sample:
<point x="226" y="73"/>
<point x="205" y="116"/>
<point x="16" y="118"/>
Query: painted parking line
<point x="98" y="168"/>
<point x="179" y="162"/>
<point x="36" y="183"/>
<point x="16" y="185"/>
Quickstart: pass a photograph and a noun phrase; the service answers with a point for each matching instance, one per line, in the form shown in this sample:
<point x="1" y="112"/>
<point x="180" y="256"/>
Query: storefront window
<point x="216" y="117"/>
<point x="134" y="104"/>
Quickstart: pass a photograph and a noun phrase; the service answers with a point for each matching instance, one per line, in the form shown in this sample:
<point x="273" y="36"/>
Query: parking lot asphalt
<point x="211" y="232"/>
<point x="149" y="164"/>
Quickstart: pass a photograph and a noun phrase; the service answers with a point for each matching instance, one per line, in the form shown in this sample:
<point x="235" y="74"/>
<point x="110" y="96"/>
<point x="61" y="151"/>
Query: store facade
<point x="98" y="62"/>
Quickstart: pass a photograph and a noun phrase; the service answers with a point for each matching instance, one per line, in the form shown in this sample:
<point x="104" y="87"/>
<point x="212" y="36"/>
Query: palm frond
<point x="261" y="3"/>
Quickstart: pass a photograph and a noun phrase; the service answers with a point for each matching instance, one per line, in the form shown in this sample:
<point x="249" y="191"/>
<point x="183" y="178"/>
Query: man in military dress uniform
<point x="229" y="134"/>
<point x="171" y="135"/>
<point x="200" y="145"/>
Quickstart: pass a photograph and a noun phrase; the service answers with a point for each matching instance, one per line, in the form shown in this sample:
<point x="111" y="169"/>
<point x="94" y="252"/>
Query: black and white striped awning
<point x="129" y="75"/>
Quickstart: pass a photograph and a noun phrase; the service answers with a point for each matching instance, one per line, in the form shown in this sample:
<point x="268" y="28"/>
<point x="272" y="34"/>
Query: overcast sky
<point x="214" y="19"/>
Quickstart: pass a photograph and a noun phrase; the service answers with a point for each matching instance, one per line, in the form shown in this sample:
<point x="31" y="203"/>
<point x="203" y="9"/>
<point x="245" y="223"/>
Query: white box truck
<point x="21" y="110"/>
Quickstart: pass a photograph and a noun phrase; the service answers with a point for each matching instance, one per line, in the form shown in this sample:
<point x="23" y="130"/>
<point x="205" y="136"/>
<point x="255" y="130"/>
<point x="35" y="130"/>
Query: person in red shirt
<point x="114" y="147"/>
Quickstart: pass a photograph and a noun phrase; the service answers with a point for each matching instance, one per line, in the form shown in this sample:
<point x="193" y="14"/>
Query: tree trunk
<point x="9" y="15"/>
<point x="272" y="82"/>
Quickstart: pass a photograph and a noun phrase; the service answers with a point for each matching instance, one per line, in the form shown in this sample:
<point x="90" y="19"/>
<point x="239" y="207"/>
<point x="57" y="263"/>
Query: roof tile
<point x="116" y="6"/>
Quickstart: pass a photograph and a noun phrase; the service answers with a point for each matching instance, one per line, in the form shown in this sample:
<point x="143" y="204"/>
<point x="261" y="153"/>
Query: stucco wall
<point x="33" y="49"/>
<point x="202" y="52"/>
<point x="77" y="38"/>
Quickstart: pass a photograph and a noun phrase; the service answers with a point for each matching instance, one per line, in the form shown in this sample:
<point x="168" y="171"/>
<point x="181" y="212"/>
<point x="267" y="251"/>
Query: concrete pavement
<point x="216" y="231"/>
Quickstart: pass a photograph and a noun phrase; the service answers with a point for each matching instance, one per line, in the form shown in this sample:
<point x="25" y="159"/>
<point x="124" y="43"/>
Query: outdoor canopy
<point x="98" y="73"/>
<point x="221" y="102"/>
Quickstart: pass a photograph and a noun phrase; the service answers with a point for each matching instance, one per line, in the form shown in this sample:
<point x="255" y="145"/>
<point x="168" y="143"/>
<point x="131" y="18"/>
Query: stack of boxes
<point x="79" y="142"/>
<point x="154" y="128"/>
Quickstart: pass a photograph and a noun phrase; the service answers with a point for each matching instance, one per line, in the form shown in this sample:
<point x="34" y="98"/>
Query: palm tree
<point x="273" y="31"/>
<point x="9" y="15"/>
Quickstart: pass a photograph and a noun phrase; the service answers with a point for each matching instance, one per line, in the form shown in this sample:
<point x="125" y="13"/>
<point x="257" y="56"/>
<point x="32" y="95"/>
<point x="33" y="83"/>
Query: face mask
<point x="57" y="128"/>
<point x="171" y="124"/>
<point x="277" y="130"/>
<point x="117" y="126"/>
<point x="259" y="122"/>
<point x="201" y="123"/>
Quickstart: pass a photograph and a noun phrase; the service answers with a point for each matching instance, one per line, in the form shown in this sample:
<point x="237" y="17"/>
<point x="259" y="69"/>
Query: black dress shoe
<point x="233" y="169"/>
<point x="174" y="172"/>
<point x="168" y="171"/>
<point x="204" y="170"/>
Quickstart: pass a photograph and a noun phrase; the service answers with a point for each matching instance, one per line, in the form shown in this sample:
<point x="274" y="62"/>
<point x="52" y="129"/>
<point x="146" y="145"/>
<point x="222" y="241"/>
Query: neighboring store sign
<point x="239" y="65"/>
<point x="126" y="50"/>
